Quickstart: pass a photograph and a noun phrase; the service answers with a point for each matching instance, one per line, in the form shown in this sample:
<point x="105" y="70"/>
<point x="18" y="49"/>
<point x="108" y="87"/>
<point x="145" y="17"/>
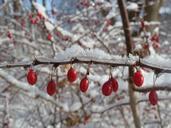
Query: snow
<point x="111" y="14"/>
<point x="93" y="91"/>
<point x="50" y="27"/>
<point x="132" y="59"/>
<point x="166" y="42"/>
<point x="64" y="32"/>
<point x="32" y="91"/>
<point x="90" y="43"/>
<point x="78" y="51"/>
<point x="97" y="108"/>
<point x="161" y="60"/>
<point x="75" y="106"/>
<point x="165" y="10"/>
<point x="71" y="108"/>
<point x="156" y="30"/>
<point x="99" y="1"/>
<point x="132" y="6"/>
<point x="138" y="47"/>
<point x="40" y="9"/>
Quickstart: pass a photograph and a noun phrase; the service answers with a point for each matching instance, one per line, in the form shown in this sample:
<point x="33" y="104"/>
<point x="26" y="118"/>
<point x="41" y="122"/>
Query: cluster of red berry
<point x="107" y="88"/>
<point x="32" y="79"/>
<point x="51" y="87"/>
<point x="155" y="39"/>
<point x="138" y="80"/>
<point x="9" y="35"/>
<point x="34" y="19"/>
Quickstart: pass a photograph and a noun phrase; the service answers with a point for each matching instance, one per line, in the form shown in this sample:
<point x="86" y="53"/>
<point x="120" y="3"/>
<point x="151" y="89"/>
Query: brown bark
<point x="152" y="10"/>
<point x="44" y="3"/>
<point x="128" y="41"/>
<point x="16" y="6"/>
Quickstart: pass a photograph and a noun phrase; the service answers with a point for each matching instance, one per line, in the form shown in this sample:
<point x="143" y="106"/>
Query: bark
<point x="152" y="10"/>
<point x="128" y="41"/>
<point x="16" y="7"/>
<point x="44" y="3"/>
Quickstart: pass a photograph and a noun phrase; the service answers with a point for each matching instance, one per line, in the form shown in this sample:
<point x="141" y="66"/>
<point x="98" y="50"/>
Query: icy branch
<point x="91" y="60"/>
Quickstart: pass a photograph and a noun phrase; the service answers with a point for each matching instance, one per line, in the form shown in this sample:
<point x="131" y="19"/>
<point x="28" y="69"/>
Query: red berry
<point x="84" y="84"/>
<point x="85" y="3"/>
<point x="30" y="16"/>
<point x="72" y="75"/>
<point x="108" y="22"/>
<point x="59" y="34"/>
<point x="153" y="98"/>
<point x="33" y="21"/>
<point x="107" y="88"/>
<point x="138" y="78"/>
<point x="146" y="46"/>
<point x="9" y="34"/>
<point x="31" y="77"/>
<point x="155" y="38"/>
<point x="51" y="87"/>
<point x="156" y="45"/>
<point x="114" y="84"/>
<point x="86" y="118"/>
<point x="66" y="38"/>
<point x="49" y="37"/>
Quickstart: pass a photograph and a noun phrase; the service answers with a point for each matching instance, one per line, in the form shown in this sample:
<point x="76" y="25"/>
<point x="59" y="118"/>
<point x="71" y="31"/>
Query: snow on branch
<point x="111" y="61"/>
<point x="132" y="6"/>
<point x="40" y="9"/>
<point x="102" y="109"/>
<point x="157" y="87"/>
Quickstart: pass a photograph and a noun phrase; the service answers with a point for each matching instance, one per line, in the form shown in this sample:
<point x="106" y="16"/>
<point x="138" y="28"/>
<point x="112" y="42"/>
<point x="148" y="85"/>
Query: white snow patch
<point x="159" y="60"/>
<point x="137" y="47"/>
<point x="156" y="30"/>
<point x="49" y="26"/>
<point x="92" y="91"/>
<point x="132" y="6"/>
<point x="165" y="10"/>
<point x="88" y="42"/>
<point x="75" y="106"/>
<point x="132" y="59"/>
<point x="99" y="1"/>
<point x="40" y="9"/>
<point x="78" y="51"/>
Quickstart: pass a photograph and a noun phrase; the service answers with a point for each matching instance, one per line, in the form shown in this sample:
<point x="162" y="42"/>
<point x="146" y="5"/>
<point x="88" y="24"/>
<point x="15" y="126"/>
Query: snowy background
<point x="91" y="31"/>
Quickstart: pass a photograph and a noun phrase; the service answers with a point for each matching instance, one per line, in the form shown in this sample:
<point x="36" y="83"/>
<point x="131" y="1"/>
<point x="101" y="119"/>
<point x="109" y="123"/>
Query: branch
<point x="123" y="102"/>
<point x="88" y="60"/>
<point x="147" y="89"/>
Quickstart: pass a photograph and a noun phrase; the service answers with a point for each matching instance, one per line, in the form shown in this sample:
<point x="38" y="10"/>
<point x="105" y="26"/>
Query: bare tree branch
<point x="157" y="87"/>
<point x="88" y="60"/>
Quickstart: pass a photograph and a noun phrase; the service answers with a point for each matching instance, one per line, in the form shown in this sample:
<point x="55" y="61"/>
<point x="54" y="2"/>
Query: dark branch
<point x="86" y="60"/>
<point x="147" y="89"/>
